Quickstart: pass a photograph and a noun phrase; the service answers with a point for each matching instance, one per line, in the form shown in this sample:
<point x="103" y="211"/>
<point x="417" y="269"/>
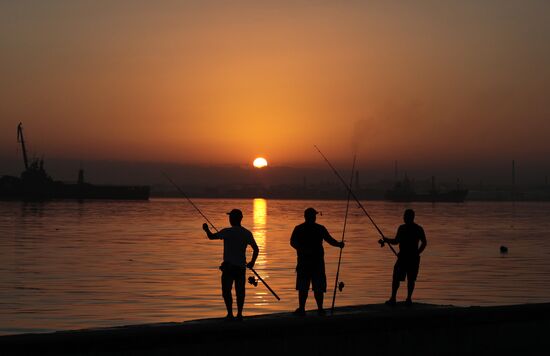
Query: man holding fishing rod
<point x="235" y="241"/>
<point x="307" y="238"/>
<point x="408" y="260"/>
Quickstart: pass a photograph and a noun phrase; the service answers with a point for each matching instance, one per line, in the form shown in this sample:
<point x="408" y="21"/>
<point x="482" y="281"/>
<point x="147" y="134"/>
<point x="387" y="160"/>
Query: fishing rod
<point x="356" y="199"/>
<point x="341" y="285"/>
<point x="264" y="282"/>
<point x="189" y="200"/>
<point x="216" y="229"/>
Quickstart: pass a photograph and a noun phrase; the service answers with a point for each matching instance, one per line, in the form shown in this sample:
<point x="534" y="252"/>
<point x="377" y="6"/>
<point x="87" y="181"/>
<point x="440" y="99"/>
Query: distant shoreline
<point x="336" y="198"/>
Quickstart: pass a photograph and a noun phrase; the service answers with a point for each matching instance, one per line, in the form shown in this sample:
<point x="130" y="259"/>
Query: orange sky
<point x="221" y="82"/>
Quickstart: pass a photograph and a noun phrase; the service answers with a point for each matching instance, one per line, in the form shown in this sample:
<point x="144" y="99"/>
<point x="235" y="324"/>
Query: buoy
<point x="340" y="286"/>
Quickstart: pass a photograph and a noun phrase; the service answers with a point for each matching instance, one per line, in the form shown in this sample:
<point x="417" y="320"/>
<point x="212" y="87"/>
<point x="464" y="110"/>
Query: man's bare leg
<point x="319" y="296"/>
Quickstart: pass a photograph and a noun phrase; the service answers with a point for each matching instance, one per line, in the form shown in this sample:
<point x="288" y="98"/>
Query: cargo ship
<point x="34" y="183"/>
<point x="403" y="191"/>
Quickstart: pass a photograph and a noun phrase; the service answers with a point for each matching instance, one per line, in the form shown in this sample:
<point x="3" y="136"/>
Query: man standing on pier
<point x="235" y="241"/>
<point x="408" y="260"/>
<point x="307" y="238"/>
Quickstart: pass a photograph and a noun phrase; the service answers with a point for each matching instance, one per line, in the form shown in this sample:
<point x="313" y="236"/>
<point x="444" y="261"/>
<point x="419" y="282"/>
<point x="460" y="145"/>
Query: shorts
<point x="232" y="274"/>
<point x="314" y="277"/>
<point x="406" y="267"/>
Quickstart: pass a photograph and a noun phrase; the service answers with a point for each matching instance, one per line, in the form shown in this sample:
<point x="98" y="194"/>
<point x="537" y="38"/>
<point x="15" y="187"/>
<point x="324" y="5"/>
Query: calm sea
<point x="70" y="265"/>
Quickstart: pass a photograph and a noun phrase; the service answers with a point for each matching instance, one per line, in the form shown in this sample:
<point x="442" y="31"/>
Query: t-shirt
<point x="235" y="239"/>
<point x="307" y="239"/>
<point x="408" y="236"/>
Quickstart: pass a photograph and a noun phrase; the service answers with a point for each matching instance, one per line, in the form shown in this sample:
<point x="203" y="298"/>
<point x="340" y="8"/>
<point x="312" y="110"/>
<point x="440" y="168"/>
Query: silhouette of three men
<point x="307" y="239"/>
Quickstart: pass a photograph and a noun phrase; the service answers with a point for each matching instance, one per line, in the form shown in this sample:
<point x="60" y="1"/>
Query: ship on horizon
<point x="403" y="191"/>
<point x="35" y="184"/>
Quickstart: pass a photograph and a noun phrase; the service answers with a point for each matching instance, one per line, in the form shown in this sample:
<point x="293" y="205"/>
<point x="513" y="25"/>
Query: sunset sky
<point x="220" y="82"/>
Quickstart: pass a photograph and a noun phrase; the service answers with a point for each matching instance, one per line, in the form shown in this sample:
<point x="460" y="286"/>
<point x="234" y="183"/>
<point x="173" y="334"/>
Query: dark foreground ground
<point x="359" y="330"/>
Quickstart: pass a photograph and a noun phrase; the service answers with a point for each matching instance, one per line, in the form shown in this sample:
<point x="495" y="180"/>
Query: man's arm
<point x="331" y="240"/>
<point x="209" y="233"/>
<point x="294" y="240"/>
<point x="255" y="253"/>
<point x="394" y="241"/>
<point x="391" y="241"/>
<point x="423" y="242"/>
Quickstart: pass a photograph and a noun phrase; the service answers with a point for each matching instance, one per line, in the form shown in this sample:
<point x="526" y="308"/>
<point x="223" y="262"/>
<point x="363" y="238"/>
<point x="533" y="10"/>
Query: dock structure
<point x="422" y="329"/>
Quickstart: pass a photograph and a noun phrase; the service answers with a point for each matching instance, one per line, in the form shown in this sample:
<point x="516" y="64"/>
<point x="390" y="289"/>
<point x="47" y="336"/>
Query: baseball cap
<point x="236" y="213"/>
<point x="310" y="211"/>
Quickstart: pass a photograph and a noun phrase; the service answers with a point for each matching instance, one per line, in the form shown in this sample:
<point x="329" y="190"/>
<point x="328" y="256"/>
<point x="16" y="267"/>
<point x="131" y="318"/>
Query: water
<point x="70" y="265"/>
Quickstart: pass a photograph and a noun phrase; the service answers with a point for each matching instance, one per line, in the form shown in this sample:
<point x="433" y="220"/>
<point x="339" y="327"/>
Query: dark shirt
<point x="307" y="239"/>
<point x="408" y="236"/>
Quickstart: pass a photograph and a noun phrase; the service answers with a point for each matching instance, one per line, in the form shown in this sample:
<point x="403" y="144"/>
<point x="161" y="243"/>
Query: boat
<point x="403" y="191"/>
<point x="34" y="183"/>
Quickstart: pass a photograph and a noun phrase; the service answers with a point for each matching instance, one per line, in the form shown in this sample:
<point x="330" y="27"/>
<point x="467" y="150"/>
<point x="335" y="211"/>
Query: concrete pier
<point x="358" y="330"/>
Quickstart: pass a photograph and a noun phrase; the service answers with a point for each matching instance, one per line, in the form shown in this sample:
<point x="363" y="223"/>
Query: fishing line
<point x="356" y="199"/>
<point x="216" y="229"/>
<point x="341" y="285"/>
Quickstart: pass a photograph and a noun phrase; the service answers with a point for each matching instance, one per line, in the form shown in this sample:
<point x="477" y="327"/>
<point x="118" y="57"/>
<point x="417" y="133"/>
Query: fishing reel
<point x="253" y="281"/>
<point x="341" y="286"/>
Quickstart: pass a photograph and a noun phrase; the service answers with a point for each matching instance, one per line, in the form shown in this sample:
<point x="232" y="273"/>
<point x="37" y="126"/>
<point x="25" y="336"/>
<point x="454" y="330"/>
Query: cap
<point x="310" y="211"/>
<point x="235" y="212"/>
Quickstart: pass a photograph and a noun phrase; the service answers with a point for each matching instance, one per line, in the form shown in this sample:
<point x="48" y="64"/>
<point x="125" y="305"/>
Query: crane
<point x="21" y="139"/>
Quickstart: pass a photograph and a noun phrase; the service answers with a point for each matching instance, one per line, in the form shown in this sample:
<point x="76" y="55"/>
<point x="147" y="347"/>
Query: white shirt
<point x="235" y="240"/>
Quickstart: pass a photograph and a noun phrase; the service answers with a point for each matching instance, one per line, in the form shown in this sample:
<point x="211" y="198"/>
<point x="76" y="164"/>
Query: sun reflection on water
<point x="259" y="227"/>
<point x="259" y="231"/>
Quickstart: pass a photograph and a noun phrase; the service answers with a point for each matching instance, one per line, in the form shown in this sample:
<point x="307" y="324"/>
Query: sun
<point x="260" y="162"/>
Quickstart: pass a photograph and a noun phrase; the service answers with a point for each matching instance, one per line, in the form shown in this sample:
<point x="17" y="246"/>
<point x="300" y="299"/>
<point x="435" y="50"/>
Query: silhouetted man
<point x="408" y="260"/>
<point x="235" y="240"/>
<point x="307" y="239"/>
